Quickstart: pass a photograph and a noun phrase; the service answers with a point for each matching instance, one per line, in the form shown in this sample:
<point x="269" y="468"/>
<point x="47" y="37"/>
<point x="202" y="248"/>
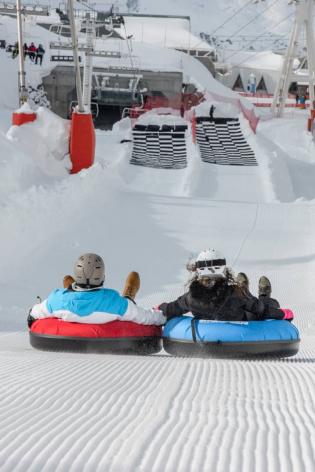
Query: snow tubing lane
<point x="121" y="337"/>
<point x="277" y="338"/>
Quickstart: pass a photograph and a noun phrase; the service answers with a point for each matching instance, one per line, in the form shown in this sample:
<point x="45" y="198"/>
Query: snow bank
<point x="222" y="109"/>
<point x="25" y="109"/>
<point x="46" y="140"/>
<point x="18" y="170"/>
<point x="156" y="117"/>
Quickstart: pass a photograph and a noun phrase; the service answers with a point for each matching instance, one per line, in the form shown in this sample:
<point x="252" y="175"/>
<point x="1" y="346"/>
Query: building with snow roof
<point x="244" y="69"/>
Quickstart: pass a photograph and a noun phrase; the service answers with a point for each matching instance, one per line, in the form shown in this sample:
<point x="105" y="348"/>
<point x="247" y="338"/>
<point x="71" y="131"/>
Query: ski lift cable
<point x="83" y="3"/>
<point x="231" y="17"/>
<point x="258" y="52"/>
<point x="255" y="53"/>
<point x="86" y="5"/>
<point x="255" y="18"/>
<point x="262" y="34"/>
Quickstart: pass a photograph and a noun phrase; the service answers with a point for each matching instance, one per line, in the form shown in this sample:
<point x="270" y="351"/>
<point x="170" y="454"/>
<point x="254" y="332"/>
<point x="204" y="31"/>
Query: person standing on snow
<point x="15" y="50"/>
<point x="214" y="294"/>
<point x="87" y="301"/>
<point x="32" y="51"/>
<point x="212" y="108"/>
<point x="25" y="50"/>
<point x="40" y="51"/>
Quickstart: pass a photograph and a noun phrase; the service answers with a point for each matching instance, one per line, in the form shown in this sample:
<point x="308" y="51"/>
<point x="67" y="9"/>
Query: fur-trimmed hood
<point x="214" y="295"/>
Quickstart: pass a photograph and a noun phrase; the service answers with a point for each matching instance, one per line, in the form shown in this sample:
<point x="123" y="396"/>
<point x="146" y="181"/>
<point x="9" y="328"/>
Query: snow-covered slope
<point x="93" y="413"/>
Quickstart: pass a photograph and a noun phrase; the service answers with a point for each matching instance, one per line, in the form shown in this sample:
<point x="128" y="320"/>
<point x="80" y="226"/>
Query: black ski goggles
<point x="212" y="263"/>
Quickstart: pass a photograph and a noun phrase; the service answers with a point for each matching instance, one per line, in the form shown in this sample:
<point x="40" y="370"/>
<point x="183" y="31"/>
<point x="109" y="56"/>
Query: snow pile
<point x="222" y="109"/>
<point x="159" y="117"/>
<point x="18" y="170"/>
<point x="25" y="109"/>
<point x="45" y="140"/>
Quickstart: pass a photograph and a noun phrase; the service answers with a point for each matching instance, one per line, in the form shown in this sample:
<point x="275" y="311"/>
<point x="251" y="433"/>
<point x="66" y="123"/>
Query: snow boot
<point x="68" y="281"/>
<point x="132" y="285"/>
<point x="264" y="287"/>
<point x="242" y="281"/>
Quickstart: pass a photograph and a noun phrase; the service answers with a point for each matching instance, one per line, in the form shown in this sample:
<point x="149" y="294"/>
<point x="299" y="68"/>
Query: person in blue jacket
<point x="87" y="301"/>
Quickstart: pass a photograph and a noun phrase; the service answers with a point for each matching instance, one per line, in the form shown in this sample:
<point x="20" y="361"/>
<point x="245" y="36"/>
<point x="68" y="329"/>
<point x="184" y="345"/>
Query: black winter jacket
<point x="222" y="302"/>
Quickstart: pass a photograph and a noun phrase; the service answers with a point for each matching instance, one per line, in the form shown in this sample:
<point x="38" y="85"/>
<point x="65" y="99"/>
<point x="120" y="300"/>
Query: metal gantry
<point x="303" y="19"/>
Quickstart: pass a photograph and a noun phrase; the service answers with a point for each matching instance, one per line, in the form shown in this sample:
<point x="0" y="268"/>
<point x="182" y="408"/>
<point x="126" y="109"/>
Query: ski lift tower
<point x="82" y="134"/>
<point x="24" y="114"/>
<point x="303" y="19"/>
<point x="22" y="87"/>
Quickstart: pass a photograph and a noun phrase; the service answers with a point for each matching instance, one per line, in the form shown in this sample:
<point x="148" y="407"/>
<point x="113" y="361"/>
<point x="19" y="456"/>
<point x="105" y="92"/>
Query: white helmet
<point x="211" y="263"/>
<point x="89" y="271"/>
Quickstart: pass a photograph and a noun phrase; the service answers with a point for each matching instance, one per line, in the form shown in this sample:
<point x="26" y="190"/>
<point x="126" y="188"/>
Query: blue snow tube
<point x="190" y="337"/>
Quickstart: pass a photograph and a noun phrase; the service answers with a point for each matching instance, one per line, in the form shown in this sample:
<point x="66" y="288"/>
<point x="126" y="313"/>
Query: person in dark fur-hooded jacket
<point x="214" y="294"/>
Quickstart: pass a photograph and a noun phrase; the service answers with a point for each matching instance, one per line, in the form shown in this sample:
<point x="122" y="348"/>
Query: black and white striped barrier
<point x="221" y="141"/>
<point x="161" y="147"/>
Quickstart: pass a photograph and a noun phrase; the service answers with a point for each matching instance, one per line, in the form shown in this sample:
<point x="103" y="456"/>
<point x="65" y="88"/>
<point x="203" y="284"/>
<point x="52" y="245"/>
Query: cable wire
<point x="259" y="36"/>
<point x="231" y="17"/>
<point x="129" y="50"/>
<point x="255" y="18"/>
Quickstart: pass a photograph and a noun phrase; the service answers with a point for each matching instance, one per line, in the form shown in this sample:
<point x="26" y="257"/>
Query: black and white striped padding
<point x="221" y="141"/>
<point x="162" y="147"/>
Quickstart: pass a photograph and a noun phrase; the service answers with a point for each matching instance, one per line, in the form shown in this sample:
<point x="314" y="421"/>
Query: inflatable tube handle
<point x="193" y="330"/>
<point x="287" y="314"/>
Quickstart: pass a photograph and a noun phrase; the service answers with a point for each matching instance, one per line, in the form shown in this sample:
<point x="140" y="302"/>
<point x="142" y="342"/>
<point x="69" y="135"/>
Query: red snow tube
<point x="53" y="334"/>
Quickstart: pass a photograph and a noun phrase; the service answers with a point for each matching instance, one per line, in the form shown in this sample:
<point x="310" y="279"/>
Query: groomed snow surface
<point x="74" y="412"/>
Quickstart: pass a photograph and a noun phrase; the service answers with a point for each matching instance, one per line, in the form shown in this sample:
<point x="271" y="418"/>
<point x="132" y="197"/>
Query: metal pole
<point x="88" y="65"/>
<point x="310" y="54"/>
<point x="74" y="39"/>
<point x="189" y="38"/>
<point x="303" y="18"/>
<point x="21" y="73"/>
<point x="286" y="71"/>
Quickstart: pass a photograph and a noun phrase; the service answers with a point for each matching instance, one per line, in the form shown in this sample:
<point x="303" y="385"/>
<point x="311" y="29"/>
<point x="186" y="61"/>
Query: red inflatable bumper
<point x="19" y="118"/>
<point x="82" y="141"/>
<point x="53" y="334"/>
